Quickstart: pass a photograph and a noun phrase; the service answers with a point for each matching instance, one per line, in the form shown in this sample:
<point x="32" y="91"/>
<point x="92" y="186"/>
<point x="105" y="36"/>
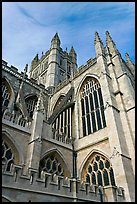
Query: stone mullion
<point x="96" y="123"/>
<point x="85" y="116"/>
<point x="100" y="109"/>
<point x="90" y="114"/>
<point x="70" y="126"/>
<point x="60" y="124"/>
<point x="67" y="123"/>
<point x="63" y="121"/>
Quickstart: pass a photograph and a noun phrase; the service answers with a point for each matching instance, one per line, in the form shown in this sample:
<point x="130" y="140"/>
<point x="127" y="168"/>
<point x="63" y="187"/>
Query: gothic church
<point x="68" y="132"/>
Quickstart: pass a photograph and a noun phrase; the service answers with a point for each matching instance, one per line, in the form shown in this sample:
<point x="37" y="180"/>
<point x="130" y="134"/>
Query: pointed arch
<point x="97" y="169"/>
<point x="53" y="161"/>
<point x="82" y="81"/>
<point x="92" y="106"/>
<point x="10" y="151"/>
<point x="31" y="101"/>
<point x="58" y="101"/>
<point x="8" y="95"/>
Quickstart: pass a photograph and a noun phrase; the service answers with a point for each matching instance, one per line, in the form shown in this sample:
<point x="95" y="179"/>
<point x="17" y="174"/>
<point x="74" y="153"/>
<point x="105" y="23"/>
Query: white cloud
<point x="28" y="27"/>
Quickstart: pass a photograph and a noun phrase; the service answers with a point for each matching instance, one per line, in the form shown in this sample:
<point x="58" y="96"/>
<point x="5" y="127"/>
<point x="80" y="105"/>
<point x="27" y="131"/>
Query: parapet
<point x="50" y="184"/>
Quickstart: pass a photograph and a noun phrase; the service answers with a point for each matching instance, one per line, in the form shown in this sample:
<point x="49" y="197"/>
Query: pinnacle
<point x="97" y="38"/>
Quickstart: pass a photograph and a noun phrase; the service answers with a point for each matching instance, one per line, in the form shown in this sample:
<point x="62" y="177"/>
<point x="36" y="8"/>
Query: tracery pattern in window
<point x="7" y="155"/>
<point x="93" y="117"/>
<point x="5" y="94"/>
<point x="31" y="103"/>
<point x="99" y="171"/>
<point x="51" y="164"/>
<point x="62" y="126"/>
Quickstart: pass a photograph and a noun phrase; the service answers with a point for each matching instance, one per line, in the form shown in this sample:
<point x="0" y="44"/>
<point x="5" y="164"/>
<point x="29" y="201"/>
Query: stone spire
<point x="99" y="47"/>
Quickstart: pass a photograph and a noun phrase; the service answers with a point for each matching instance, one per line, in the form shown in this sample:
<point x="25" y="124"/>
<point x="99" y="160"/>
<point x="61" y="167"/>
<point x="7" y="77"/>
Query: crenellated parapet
<point x="48" y="184"/>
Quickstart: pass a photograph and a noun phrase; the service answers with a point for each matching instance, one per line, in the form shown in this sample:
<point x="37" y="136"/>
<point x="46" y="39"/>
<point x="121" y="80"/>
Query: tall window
<point x="93" y="117"/>
<point x="99" y="171"/>
<point x="5" y="94"/>
<point x="62" y="124"/>
<point x="31" y="103"/>
<point x="7" y="155"/>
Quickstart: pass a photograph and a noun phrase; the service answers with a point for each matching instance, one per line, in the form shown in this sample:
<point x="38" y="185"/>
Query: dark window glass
<point x="65" y="119"/>
<point x="100" y="97"/>
<point x="84" y="126"/>
<point x="93" y="178"/>
<point x="82" y="105"/>
<point x="54" y="166"/>
<point x="90" y="169"/>
<point x="98" y="119"/>
<point x="87" y="178"/>
<point x="106" y="179"/>
<point x="101" y="165"/>
<point x="91" y="102"/>
<point x="103" y="116"/>
<point x="88" y="123"/>
<point x="69" y="131"/>
<point x="95" y="166"/>
<point x="93" y="121"/>
<point x="99" y="178"/>
<point x="107" y="164"/>
<point x="87" y="104"/>
<point x="96" y="99"/>
<point x="112" y="177"/>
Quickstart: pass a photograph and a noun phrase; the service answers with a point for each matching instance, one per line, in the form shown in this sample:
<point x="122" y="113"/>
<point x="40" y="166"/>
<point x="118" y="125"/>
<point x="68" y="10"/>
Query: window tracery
<point x="99" y="171"/>
<point x="53" y="163"/>
<point x="7" y="155"/>
<point x="93" y="117"/>
<point x="31" y="103"/>
<point x="5" y="94"/>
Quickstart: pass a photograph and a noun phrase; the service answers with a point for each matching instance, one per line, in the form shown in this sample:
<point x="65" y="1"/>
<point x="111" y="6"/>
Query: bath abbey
<point x="68" y="132"/>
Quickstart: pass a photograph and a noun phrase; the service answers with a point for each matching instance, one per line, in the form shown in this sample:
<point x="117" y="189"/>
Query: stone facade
<point x="69" y="132"/>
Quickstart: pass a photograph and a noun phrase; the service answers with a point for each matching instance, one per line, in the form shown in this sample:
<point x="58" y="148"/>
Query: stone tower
<point x="68" y="133"/>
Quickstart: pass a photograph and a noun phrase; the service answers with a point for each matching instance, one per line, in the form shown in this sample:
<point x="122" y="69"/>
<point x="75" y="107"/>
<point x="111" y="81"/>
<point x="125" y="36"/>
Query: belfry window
<point x="99" y="171"/>
<point x="92" y="107"/>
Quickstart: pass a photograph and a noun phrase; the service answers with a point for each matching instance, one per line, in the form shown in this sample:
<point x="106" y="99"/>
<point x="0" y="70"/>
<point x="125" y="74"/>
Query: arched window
<point x="31" y="103"/>
<point x="62" y="125"/>
<point x="98" y="171"/>
<point x="93" y="117"/>
<point x="5" y="94"/>
<point x="53" y="163"/>
<point x="7" y="155"/>
<point x="10" y="154"/>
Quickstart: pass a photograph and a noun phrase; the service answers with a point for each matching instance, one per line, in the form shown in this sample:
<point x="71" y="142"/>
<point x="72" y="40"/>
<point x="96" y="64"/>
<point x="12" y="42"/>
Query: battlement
<point x="51" y="186"/>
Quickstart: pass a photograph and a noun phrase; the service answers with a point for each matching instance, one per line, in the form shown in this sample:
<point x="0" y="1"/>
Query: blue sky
<point x="28" y="27"/>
